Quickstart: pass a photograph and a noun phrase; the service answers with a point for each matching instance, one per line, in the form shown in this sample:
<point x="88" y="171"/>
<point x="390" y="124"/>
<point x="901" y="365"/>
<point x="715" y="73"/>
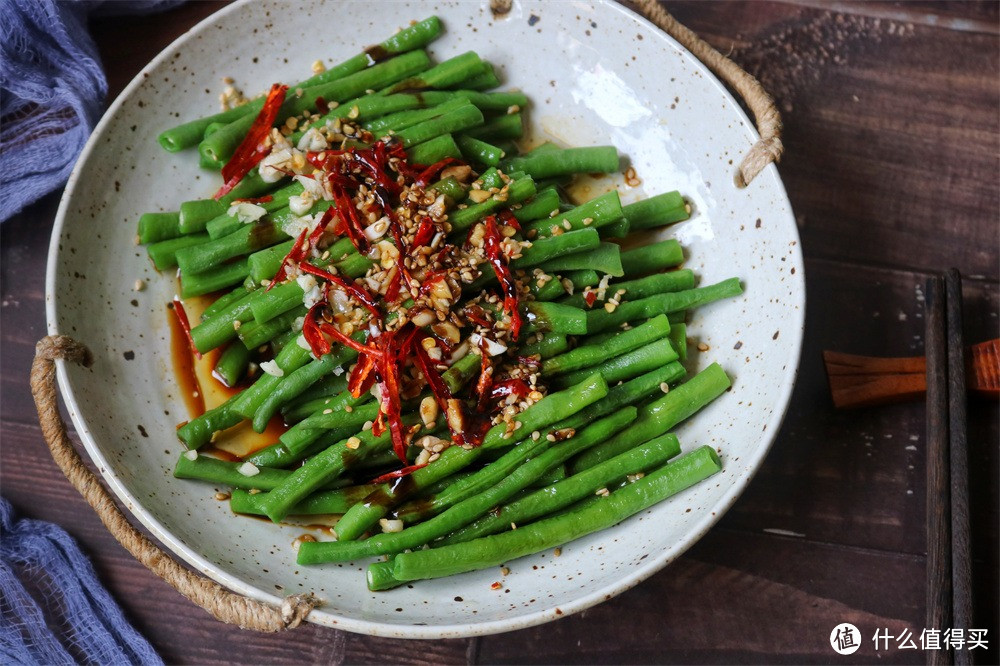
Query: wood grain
<point x="887" y="187"/>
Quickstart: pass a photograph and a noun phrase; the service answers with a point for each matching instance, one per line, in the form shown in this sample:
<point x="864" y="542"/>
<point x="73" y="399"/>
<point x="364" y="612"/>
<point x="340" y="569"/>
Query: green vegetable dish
<point x="434" y="344"/>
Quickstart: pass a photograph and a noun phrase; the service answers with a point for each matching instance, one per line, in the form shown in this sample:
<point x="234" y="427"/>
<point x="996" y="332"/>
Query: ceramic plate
<point x="596" y="74"/>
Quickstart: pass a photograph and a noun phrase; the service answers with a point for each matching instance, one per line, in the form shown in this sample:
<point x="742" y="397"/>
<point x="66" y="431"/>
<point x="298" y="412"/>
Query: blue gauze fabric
<point x="52" y="93"/>
<point x="53" y="610"/>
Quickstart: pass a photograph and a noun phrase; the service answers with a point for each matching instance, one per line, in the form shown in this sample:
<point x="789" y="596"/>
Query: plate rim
<point x="318" y="616"/>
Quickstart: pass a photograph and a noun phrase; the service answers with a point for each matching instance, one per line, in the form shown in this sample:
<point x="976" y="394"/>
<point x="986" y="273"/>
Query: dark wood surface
<point x="892" y="145"/>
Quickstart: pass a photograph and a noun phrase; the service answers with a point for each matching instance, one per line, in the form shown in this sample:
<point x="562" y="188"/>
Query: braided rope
<point x="768" y="148"/>
<point x="222" y="604"/>
<point x="236" y="609"/>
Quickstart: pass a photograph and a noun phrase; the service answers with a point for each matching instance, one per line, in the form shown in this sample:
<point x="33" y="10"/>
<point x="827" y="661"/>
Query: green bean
<point x="637" y="389"/>
<point x="298" y="381"/>
<point x="492" y="551"/>
<point x="605" y="258"/>
<point x="644" y="308"/>
<point x="457" y="120"/>
<point x="563" y="493"/>
<point x="266" y="305"/>
<point x="468" y="509"/>
<point x="232" y="364"/>
<point x="194" y="215"/>
<point x="225" y="224"/>
<point x="198" y="432"/>
<point x="653" y="355"/>
<point x="488" y="179"/>
<point x="660" y="416"/>
<point x="475" y="150"/>
<point x="324" y="467"/>
<point x="214" y="279"/>
<point x="552" y="249"/>
<point x="483" y="81"/>
<point x="155" y="227"/>
<point x="255" y="335"/>
<point x="544" y="203"/>
<point x="289" y="359"/>
<point x="630" y="290"/>
<point x="657" y="211"/>
<point x="517" y="191"/>
<point x="249" y="238"/>
<point x="549" y="291"/>
<point x="366" y="513"/>
<point x="654" y="257"/>
<point x="333" y="416"/>
<point x="164" y="253"/>
<point x="451" y="72"/>
<point x="509" y="126"/>
<point x="278" y="456"/>
<point x="619" y="229"/>
<point x="222" y="326"/>
<point x="546" y="316"/>
<point x="323" y="502"/>
<point x="547" y="346"/>
<point x="413" y="37"/>
<point x="220" y="145"/>
<point x="678" y="336"/>
<point x="489" y="101"/>
<point x="450" y="188"/>
<point x="225" y="302"/>
<point x="567" y="162"/>
<point x="434" y="150"/>
<point x="402" y="119"/>
<point x="478" y="482"/>
<point x="205" y="468"/>
<point x="583" y="279"/>
<point x="598" y="212"/>
<point x="656" y="328"/>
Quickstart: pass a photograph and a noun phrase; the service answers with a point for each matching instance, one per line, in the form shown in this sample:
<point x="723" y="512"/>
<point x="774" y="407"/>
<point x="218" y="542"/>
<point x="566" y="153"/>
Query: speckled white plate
<point x="597" y="74"/>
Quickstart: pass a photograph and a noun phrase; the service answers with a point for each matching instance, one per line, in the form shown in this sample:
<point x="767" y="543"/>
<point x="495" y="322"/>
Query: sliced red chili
<point x="494" y="252"/>
<point x="360" y="294"/>
<point x="485" y="382"/>
<point x="251" y="151"/>
<point x="349" y="215"/>
<point x="312" y="333"/>
<point x="509" y="387"/>
<point x="425" y="232"/>
<point x="322" y="106"/>
<point x="346" y="340"/>
<point x="388" y="370"/>
<point x="398" y="474"/>
<point x="590" y="298"/>
<point x="430" y="172"/>
<point x="362" y="378"/>
<point x="185" y="323"/>
<point x="476" y="315"/>
<point x="507" y="217"/>
<point x="294" y="257"/>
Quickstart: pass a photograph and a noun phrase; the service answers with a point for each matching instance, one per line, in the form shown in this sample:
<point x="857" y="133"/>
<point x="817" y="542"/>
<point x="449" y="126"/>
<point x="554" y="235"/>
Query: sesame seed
<point x="664" y="387"/>
<point x="352" y="443"/>
<point x="139" y="285"/>
<point x="557" y="552"/>
<point x="703" y="347"/>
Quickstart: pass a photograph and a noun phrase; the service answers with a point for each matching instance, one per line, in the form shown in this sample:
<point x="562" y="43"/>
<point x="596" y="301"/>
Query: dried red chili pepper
<point x="590" y="298"/>
<point x="251" y="151"/>
<point x="494" y="252"/>
<point x="362" y="378"/>
<point x="185" y="323"/>
<point x="293" y="258"/>
<point x="349" y="215"/>
<point x="425" y="232"/>
<point x="312" y="333"/>
<point x="425" y="176"/>
<point x="508" y="387"/>
<point x="398" y="474"/>
<point x="360" y="294"/>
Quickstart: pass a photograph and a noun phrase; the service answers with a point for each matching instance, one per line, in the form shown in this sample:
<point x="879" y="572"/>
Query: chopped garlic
<point x="271" y="368"/>
<point x="246" y="212"/>
<point x="248" y="469"/>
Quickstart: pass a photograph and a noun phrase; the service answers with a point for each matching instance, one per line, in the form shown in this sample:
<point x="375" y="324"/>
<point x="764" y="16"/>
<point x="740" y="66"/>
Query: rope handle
<point x="237" y="609"/>
<point x="768" y="148"/>
<point x="219" y="602"/>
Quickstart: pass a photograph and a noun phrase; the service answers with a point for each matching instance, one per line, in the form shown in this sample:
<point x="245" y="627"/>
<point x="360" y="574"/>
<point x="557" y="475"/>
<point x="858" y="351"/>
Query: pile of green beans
<point x="603" y="331"/>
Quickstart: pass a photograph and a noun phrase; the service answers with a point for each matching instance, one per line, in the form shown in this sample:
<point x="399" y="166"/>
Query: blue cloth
<point x="53" y="610"/>
<point x="53" y="90"/>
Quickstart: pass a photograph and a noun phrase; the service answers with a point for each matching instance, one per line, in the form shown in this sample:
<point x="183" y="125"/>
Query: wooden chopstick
<point x="939" y="595"/>
<point x="961" y="558"/>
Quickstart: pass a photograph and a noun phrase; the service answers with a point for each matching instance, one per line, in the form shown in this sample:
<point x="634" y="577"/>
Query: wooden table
<point x="892" y="144"/>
